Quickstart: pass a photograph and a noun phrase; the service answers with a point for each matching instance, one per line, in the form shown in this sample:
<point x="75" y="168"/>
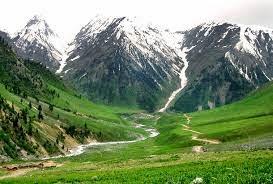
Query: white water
<point x="82" y="148"/>
<point x="182" y="77"/>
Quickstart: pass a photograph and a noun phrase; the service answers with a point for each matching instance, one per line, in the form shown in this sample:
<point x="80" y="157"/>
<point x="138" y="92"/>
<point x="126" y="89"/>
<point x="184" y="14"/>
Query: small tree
<point x="86" y="131"/>
<point x="15" y="122"/>
<point x="12" y="107"/>
<point x="51" y="107"/>
<point x="30" y="105"/>
<point x="40" y="108"/>
<point x="29" y="130"/>
<point x="24" y="114"/>
<point x="40" y="116"/>
<point x="25" y="95"/>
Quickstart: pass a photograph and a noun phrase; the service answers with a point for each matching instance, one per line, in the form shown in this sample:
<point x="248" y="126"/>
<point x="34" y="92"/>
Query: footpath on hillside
<point x="195" y="136"/>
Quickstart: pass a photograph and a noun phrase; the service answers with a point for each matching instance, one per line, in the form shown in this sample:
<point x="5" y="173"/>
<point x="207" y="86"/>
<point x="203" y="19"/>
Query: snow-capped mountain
<point x="122" y="60"/>
<point x="225" y="63"/>
<point x="146" y="37"/>
<point x="125" y="61"/>
<point x="37" y="41"/>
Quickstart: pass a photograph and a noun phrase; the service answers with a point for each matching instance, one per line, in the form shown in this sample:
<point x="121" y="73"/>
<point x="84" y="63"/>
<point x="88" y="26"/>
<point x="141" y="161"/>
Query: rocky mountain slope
<point x="38" y="42"/>
<point x="125" y="62"/>
<point x="122" y="61"/>
<point x="226" y="61"/>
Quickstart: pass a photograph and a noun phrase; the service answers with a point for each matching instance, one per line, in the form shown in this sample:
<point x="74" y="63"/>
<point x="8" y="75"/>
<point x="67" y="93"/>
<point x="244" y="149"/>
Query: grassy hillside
<point x="58" y="117"/>
<point x="243" y="125"/>
<point x="248" y="121"/>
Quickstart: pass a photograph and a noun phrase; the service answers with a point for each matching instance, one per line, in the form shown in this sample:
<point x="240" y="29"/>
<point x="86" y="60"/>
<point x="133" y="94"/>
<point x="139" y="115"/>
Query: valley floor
<point x="150" y="161"/>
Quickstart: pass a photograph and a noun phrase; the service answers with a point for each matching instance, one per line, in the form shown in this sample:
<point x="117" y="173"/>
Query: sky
<point x="67" y="17"/>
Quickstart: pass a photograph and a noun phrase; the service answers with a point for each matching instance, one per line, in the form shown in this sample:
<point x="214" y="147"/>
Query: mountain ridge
<point x="146" y="58"/>
<point x="138" y="50"/>
<point x="226" y="41"/>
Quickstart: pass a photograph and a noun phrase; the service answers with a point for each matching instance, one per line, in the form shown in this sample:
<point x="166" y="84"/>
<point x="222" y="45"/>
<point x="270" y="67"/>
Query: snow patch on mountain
<point x="242" y="71"/>
<point x="147" y="40"/>
<point x="247" y="42"/>
<point x="183" y="79"/>
<point x="267" y="76"/>
<point x="83" y="76"/>
<point x="73" y="59"/>
<point x="63" y="62"/>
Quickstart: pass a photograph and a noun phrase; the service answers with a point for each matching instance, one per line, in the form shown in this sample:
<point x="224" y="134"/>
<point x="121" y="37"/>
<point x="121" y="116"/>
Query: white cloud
<point x="68" y="16"/>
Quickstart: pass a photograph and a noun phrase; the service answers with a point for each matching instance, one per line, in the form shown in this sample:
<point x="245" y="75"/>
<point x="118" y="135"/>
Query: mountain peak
<point x="38" y="25"/>
<point x="101" y="22"/>
<point x="38" y="41"/>
<point x="37" y="18"/>
<point x="124" y="31"/>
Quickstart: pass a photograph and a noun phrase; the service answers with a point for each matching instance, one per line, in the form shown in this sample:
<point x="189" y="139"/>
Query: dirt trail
<point x="210" y="141"/>
<point x="187" y="128"/>
<point x="195" y="136"/>
<point x="188" y="118"/>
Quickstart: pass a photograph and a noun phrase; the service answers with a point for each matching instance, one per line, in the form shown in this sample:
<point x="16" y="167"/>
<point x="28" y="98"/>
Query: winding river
<point x="83" y="147"/>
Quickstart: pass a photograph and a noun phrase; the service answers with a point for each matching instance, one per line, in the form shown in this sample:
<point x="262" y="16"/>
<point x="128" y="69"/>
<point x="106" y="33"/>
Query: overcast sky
<point x="68" y="16"/>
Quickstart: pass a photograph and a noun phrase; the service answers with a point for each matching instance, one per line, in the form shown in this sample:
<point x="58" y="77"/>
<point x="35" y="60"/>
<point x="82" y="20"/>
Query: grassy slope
<point x="69" y="99"/>
<point x="22" y="82"/>
<point x="98" y="118"/>
<point x="249" y="119"/>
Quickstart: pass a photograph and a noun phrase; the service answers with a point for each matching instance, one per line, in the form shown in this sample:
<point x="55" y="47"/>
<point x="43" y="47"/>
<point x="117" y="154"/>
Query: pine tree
<point x="15" y="122"/>
<point x="24" y="113"/>
<point x="29" y="130"/>
<point x="51" y="107"/>
<point x="30" y="105"/>
<point x="40" y="115"/>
